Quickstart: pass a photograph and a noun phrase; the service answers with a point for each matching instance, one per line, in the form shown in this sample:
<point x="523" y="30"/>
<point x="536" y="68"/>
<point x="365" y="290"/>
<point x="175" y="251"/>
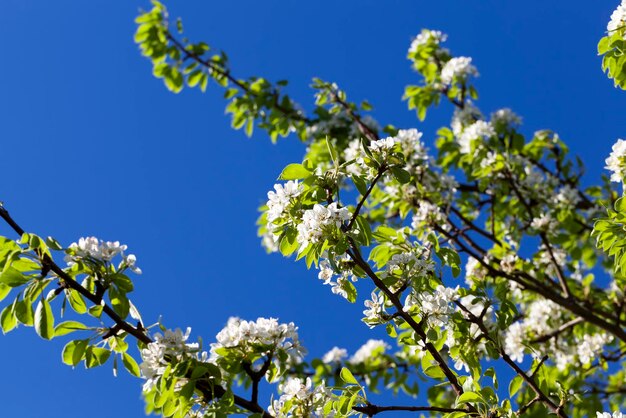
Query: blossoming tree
<point x="485" y="258"/>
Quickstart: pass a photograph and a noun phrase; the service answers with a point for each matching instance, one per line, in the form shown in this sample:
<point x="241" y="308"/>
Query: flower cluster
<point x="542" y="318"/>
<point x="427" y="37"/>
<point x="479" y="130"/>
<point x="426" y="212"/>
<point x="615" y="414"/>
<point x="335" y="355"/>
<point x="407" y="266"/>
<point x="505" y="119"/>
<point x="618" y="19"/>
<point x="407" y="141"/>
<point x="168" y="348"/>
<point x="470" y="306"/>
<point x="474" y="271"/>
<point x="458" y="69"/>
<point x="375" y="312"/>
<point x="301" y="399"/>
<point x="369" y="350"/>
<point x="94" y="250"/>
<point x="327" y="273"/>
<point x="435" y="306"/>
<point x="464" y="116"/>
<point x="278" y="203"/>
<point x="567" y="197"/>
<point x="319" y="222"/>
<point x="263" y="336"/>
<point x="616" y="163"/>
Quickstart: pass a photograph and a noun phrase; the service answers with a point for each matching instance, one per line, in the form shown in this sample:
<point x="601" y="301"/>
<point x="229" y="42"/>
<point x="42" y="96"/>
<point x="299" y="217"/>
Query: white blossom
<point x="514" y="341"/>
<point x="414" y="150"/>
<point x="335" y="355"/>
<point x="474" y="270"/>
<point x="326" y="274"/>
<point x="459" y="68"/>
<point x="252" y="336"/>
<point x="615" y="414"/>
<point x="375" y="310"/>
<point x="545" y="223"/>
<point x="489" y="160"/>
<point x="367" y="350"/>
<point x="616" y="163"/>
<point x="316" y="221"/>
<point x="505" y="118"/>
<point x="277" y="204"/>
<point x="508" y="263"/>
<point x="92" y="249"/>
<point x="425" y="37"/>
<point x="383" y="146"/>
<point x="426" y="212"/>
<point x="567" y="196"/>
<point x="172" y="344"/>
<point x="435" y="306"/>
<point x="591" y="346"/>
<point x="464" y="116"/>
<point x="478" y="130"/>
<point x="300" y="398"/>
<point x="618" y="18"/>
<point x="280" y="198"/>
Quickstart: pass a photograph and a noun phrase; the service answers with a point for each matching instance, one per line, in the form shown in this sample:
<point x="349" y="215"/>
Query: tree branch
<point x="208" y="391"/>
<point x="370" y="409"/>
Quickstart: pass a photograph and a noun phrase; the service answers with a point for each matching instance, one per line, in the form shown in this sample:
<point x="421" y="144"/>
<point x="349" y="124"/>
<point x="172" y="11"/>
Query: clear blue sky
<point x="92" y="144"/>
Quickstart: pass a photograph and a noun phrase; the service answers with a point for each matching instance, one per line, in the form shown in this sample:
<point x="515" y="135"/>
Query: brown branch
<point x="559" y="330"/>
<point x="213" y="67"/>
<point x="530" y="381"/>
<point x="380" y="173"/>
<point x="355" y="255"/>
<point x="370" y="409"/>
<point x="368" y="132"/>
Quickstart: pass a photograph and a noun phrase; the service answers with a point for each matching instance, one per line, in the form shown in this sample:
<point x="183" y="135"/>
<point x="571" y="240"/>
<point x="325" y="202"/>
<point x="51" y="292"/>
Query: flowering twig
<point x="208" y="390"/>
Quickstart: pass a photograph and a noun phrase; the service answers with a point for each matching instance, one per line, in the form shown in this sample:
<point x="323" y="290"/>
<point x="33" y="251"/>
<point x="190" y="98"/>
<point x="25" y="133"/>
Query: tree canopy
<point x="496" y="273"/>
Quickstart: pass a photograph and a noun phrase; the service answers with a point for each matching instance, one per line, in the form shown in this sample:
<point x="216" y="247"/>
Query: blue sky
<point x="92" y="144"/>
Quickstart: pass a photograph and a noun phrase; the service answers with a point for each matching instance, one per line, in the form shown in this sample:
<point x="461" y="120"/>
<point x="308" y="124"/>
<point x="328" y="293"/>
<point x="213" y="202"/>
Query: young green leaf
<point x="44" y="320"/>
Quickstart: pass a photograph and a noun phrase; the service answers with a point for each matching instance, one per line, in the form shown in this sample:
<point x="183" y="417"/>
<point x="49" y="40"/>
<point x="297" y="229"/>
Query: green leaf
<point x="515" y="385"/>
<point x="332" y="151"/>
<point x="469" y="397"/>
<point x="74" y="351"/>
<point x="603" y="46"/>
<point x="76" y="301"/>
<point x="7" y="319"/>
<point x="96" y="311"/>
<point x="96" y="356"/>
<point x="120" y="302"/>
<point x="401" y="175"/>
<point x="131" y="365"/>
<point x="24" y="312"/>
<point x="294" y="172"/>
<point x="4" y="291"/>
<point x="194" y="78"/>
<point x="360" y="184"/>
<point x="348" y="377"/>
<point x="122" y="282"/>
<point x="68" y="327"/>
<point x="44" y="320"/>
<point x="13" y="278"/>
